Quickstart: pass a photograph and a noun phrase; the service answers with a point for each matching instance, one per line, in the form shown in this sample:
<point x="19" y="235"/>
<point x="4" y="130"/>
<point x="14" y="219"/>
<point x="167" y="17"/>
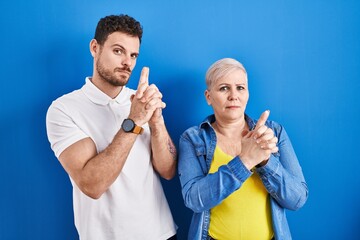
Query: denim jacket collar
<point x="211" y="118"/>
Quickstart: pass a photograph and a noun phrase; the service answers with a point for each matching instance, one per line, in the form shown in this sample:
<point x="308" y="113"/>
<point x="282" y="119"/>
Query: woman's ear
<point x="207" y="97"/>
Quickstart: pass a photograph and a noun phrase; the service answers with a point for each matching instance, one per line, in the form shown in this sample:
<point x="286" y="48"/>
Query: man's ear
<point x="207" y="97"/>
<point x="94" y="47"/>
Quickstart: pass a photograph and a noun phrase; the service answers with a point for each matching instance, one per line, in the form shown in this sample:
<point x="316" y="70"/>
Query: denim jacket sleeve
<point x="282" y="175"/>
<point x="202" y="191"/>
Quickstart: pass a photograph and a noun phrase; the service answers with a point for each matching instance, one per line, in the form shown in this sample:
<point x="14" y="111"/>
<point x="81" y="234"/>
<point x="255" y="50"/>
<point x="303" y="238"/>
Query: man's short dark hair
<point x="117" y="23"/>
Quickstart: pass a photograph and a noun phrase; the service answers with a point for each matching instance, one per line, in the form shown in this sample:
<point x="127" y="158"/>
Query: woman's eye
<point x="224" y="88"/>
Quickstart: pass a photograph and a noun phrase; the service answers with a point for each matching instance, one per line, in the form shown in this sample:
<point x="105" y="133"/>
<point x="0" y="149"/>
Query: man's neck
<point x="107" y="88"/>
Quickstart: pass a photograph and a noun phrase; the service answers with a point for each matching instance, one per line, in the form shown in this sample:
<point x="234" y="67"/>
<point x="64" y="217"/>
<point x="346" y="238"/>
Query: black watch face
<point x="128" y="125"/>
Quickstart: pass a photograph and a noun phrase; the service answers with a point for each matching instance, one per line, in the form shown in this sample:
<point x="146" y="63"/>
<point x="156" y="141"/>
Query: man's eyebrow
<point x="120" y="46"/>
<point x="117" y="45"/>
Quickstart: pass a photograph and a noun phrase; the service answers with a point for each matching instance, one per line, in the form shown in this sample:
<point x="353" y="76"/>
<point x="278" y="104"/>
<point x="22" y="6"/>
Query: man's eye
<point x="118" y="51"/>
<point x="134" y="56"/>
<point x="240" y="88"/>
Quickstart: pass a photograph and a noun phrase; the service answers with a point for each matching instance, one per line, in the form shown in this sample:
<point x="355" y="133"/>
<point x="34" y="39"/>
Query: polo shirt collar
<point x="98" y="97"/>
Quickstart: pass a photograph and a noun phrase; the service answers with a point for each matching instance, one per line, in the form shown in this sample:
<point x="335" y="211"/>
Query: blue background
<point x="303" y="62"/>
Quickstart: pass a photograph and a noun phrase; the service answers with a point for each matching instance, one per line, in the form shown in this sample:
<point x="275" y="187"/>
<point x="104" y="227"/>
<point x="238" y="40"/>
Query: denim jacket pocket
<point x="201" y="155"/>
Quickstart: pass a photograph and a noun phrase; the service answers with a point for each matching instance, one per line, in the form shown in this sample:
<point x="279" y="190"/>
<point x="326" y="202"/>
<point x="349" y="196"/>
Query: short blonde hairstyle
<point x="220" y="69"/>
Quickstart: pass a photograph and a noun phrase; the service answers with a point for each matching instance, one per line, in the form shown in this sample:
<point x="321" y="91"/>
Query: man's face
<point x="116" y="59"/>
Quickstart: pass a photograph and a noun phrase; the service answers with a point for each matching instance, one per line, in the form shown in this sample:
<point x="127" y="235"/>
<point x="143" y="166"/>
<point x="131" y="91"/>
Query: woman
<point x="238" y="175"/>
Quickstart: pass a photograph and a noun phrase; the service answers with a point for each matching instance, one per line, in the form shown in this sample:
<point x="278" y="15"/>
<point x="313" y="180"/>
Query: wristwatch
<point x="128" y="125"/>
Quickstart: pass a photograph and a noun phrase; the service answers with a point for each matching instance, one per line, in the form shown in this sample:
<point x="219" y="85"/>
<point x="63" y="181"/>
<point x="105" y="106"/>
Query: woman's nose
<point x="233" y="94"/>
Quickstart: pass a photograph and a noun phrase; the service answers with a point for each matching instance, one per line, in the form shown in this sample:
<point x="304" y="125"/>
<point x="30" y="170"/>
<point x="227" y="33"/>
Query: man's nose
<point x="127" y="61"/>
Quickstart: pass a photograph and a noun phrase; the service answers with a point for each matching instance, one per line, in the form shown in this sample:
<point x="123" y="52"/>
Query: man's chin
<point x="119" y="82"/>
<point x="123" y="78"/>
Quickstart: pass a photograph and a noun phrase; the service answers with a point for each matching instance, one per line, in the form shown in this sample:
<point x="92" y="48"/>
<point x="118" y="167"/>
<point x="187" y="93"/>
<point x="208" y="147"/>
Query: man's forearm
<point x="102" y="170"/>
<point x="164" y="153"/>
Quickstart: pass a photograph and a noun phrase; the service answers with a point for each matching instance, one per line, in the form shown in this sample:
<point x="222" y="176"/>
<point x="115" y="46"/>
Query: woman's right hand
<point x="257" y="145"/>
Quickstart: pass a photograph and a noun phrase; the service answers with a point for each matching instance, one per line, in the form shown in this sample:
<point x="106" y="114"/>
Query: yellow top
<point x="244" y="214"/>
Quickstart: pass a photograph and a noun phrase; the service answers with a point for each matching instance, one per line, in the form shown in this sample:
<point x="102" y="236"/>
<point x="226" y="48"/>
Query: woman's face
<point x="229" y="95"/>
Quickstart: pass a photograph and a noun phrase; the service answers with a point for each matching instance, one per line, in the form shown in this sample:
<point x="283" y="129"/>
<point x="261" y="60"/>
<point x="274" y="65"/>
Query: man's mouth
<point x="123" y="70"/>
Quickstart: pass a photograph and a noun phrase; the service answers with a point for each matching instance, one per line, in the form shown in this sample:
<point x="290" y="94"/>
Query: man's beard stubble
<point x="109" y="76"/>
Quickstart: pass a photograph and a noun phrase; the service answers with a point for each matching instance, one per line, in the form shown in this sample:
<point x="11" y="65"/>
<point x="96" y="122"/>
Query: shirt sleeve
<point x="282" y="175"/>
<point x="202" y="191"/>
<point x="62" y="130"/>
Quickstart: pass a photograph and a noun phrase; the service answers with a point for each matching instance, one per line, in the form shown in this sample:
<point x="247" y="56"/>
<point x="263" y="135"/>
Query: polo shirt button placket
<point x="113" y="106"/>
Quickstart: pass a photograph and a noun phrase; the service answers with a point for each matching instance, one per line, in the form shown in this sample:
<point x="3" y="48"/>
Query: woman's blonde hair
<point x="220" y="69"/>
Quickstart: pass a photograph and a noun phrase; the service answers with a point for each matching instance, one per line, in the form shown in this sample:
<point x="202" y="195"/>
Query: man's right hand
<point x="146" y="100"/>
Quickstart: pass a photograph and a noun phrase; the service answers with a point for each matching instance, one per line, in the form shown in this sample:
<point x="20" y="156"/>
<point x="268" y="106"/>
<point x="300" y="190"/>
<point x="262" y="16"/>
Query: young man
<point x="113" y="142"/>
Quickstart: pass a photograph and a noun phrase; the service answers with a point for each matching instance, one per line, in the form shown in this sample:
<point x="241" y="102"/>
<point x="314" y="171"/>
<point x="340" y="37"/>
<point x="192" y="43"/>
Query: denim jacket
<point x="282" y="177"/>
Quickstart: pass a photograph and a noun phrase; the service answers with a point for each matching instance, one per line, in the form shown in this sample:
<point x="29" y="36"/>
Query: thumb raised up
<point x="261" y="122"/>
<point x="143" y="82"/>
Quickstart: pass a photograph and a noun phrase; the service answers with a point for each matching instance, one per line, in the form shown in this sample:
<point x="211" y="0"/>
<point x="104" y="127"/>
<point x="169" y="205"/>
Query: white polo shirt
<point x="134" y="207"/>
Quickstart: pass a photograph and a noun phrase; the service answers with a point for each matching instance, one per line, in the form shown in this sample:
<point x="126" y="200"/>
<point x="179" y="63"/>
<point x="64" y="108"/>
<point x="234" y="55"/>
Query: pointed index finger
<point x="143" y="82"/>
<point x="264" y="116"/>
<point x="144" y="77"/>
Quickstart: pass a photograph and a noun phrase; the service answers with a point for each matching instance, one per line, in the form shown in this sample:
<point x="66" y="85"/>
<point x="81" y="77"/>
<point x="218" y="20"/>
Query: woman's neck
<point x="229" y="135"/>
<point x="230" y="129"/>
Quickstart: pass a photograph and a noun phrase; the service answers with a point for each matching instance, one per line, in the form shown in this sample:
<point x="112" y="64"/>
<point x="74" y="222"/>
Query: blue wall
<point x="303" y="60"/>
